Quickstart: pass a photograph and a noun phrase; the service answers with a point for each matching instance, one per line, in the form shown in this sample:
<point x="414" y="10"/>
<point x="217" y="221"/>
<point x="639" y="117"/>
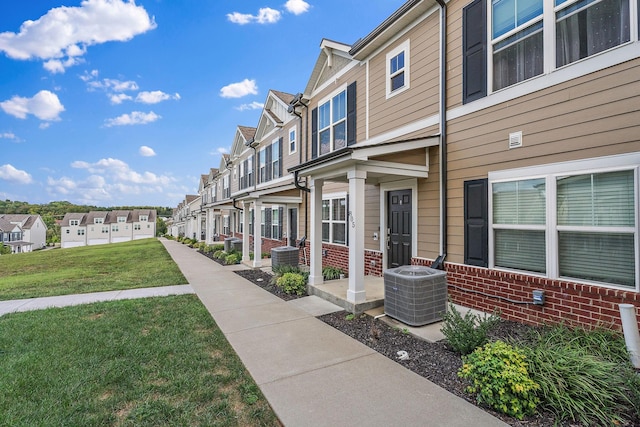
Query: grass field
<point x="129" y="265"/>
<point x="145" y="362"/>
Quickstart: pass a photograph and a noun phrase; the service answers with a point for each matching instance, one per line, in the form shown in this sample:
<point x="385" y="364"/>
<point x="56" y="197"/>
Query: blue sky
<point x="115" y="102"/>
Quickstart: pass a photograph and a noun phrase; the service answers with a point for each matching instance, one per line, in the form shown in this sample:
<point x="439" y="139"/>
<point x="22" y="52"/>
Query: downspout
<point x="297" y="184"/>
<point x="439" y="262"/>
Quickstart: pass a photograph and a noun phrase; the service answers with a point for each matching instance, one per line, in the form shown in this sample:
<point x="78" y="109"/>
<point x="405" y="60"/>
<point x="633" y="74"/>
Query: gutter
<point x="439" y="262"/>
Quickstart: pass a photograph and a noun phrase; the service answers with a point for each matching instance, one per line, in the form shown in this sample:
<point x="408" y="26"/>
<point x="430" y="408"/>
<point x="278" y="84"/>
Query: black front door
<point x="399" y="228"/>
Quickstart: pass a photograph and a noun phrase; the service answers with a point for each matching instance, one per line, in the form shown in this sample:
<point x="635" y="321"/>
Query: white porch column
<point x="355" y="226"/>
<point x="257" y="234"/>
<point x="315" y="239"/>
<point x="245" y="231"/>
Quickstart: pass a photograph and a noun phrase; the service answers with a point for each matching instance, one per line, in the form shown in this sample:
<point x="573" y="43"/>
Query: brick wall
<point x="338" y="256"/>
<point x="565" y="301"/>
<point x="266" y="245"/>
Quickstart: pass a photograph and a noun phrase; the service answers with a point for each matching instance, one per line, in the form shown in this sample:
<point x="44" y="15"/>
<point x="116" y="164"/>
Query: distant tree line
<point x="53" y="211"/>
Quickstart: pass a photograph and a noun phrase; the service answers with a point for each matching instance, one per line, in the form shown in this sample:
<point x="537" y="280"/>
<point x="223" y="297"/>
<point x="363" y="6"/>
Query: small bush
<point x="330" y="273"/>
<point x="217" y="247"/>
<point x="292" y="283"/>
<point x="233" y="258"/>
<point x="465" y="334"/>
<point x="219" y="254"/>
<point x="281" y="270"/>
<point x="499" y="376"/>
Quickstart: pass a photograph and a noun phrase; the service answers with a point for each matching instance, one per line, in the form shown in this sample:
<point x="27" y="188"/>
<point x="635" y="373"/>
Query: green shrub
<point x="217" y="247"/>
<point x="330" y="273"/>
<point x="280" y="270"/>
<point x="266" y="255"/>
<point x="233" y="258"/>
<point x="499" y="377"/>
<point x="465" y="334"/>
<point x="219" y="254"/>
<point x="292" y="283"/>
<point x="584" y="376"/>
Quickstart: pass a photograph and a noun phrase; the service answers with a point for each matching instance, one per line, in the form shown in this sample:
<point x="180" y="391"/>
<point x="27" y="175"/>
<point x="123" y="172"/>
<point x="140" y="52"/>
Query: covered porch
<point x="382" y="165"/>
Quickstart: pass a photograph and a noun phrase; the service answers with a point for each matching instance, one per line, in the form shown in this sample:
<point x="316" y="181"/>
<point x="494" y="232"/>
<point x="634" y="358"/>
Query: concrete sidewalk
<point x="312" y="374"/>
<point x="18" y="305"/>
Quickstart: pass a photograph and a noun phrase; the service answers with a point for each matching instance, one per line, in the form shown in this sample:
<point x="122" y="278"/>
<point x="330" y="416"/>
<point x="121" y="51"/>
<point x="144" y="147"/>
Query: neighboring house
<point x="103" y="227"/>
<point x="22" y="232"/>
<point x="500" y="144"/>
<point x="98" y="231"/>
<point x="33" y="228"/>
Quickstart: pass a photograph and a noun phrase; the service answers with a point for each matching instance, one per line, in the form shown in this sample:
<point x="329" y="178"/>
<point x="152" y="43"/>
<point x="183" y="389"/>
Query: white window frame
<point x="74" y="222"/>
<point x="262" y="162"/>
<point x="404" y="47"/>
<point x="331" y="221"/>
<point x="548" y="17"/>
<point x="330" y="127"/>
<point x="98" y="220"/>
<point x="144" y="218"/>
<point x="275" y="225"/>
<point x="551" y="172"/>
<point x="122" y="219"/>
<point x="292" y="140"/>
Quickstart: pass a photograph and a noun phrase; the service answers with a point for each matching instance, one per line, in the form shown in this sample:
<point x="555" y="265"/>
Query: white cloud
<point x="253" y="106"/>
<point x="120" y="172"/>
<point x="89" y="75"/>
<point x="240" y="18"/>
<point x="135" y="118"/>
<point x="265" y="15"/>
<point x="44" y="105"/>
<point x="238" y="90"/>
<point x="221" y="150"/>
<point x="9" y="173"/>
<point x="111" y="85"/>
<point x="10" y="135"/>
<point x="118" y="98"/>
<point x="155" y="97"/>
<point x="146" y="151"/>
<point x="62" y="35"/>
<point x="297" y="7"/>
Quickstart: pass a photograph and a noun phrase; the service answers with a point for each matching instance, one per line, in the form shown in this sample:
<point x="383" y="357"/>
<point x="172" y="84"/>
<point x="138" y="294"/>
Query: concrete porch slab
<point x="315" y="305"/>
<point x="335" y="291"/>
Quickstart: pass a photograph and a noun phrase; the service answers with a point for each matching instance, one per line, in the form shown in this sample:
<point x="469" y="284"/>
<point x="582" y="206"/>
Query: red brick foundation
<point x="573" y="303"/>
<point x="338" y="256"/>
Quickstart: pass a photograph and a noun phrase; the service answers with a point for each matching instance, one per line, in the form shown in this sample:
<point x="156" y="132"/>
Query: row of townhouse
<point x="22" y="232"/>
<point x="103" y="227"/>
<point x="497" y="140"/>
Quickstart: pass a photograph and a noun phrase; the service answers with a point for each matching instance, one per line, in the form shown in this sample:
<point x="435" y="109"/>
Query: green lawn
<point x="129" y="265"/>
<point x="145" y="362"/>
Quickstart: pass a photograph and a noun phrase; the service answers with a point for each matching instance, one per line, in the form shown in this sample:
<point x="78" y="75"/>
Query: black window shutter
<point x="251" y="222"/>
<point x="476" y="217"/>
<point x="351" y="114"/>
<point x="280" y="222"/>
<point x="268" y="157"/>
<point x="267" y="223"/>
<point x="314" y="133"/>
<point x="280" y="155"/>
<point x="474" y="50"/>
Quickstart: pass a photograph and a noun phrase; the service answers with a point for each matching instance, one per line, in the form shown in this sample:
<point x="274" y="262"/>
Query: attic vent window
<point x="515" y="140"/>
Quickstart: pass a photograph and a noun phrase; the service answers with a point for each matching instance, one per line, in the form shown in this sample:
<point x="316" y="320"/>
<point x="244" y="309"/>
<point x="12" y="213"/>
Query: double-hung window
<point x="517" y="40"/>
<point x="226" y="190"/>
<point x="262" y="158"/>
<point x="275" y="158"/>
<point x="332" y="123"/>
<point x="587" y="27"/>
<point x="292" y="140"/>
<point x="397" y="69"/>
<point x="334" y="220"/>
<point x="570" y="223"/>
<point x="527" y="38"/>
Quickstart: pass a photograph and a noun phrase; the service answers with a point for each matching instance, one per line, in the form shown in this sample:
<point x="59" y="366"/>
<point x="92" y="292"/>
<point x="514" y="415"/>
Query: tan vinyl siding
<point x="372" y="217"/>
<point x="421" y="99"/>
<point x="429" y="209"/>
<point x="588" y="117"/>
<point x="454" y="53"/>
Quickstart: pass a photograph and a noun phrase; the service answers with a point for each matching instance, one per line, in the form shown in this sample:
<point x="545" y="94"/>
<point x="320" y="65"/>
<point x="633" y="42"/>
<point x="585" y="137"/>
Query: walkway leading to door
<point x="312" y="374"/>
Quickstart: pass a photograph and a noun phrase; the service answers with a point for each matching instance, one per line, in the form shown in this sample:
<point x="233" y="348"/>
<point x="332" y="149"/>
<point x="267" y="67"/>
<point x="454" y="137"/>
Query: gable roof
<point x="333" y="57"/>
<point x="274" y="114"/>
<point x="26" y="221"/>
<point x="7" y="226"/>
<point x="243" y="137"/>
